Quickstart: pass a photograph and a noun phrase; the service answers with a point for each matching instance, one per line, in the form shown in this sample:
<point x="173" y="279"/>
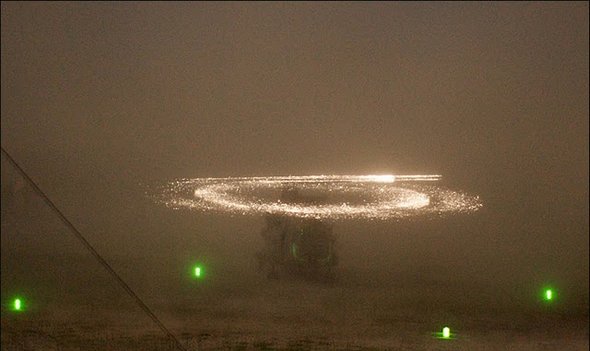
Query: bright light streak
<point x="385" y="178"/>
<point x="374" y="196"/>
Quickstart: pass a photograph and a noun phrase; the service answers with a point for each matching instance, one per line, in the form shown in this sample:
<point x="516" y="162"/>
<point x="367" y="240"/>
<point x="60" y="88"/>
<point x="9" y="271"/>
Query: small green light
<point x="548" y="294"/>
<point x="446" y="333"/>
<point x="198" y="272"/>
<point x="17" y="304"/>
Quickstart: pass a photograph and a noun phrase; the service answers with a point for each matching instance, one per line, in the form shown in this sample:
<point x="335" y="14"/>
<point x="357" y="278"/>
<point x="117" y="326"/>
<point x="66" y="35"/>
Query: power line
<point x="93" y="251"/>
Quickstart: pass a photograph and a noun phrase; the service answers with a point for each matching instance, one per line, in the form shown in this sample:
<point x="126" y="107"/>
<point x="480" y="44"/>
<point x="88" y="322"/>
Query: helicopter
<point x="297" y="247"/>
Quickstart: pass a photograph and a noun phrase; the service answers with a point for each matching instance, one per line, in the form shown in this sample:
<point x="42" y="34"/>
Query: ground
<point x="362" y="310"/>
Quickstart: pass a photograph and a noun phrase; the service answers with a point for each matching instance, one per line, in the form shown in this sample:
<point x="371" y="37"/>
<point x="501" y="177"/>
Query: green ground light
<point x="444" y="334"/>
<point x="198" y="272"/>
<point x="18" y="304"/>
<point x="548" y="295"/>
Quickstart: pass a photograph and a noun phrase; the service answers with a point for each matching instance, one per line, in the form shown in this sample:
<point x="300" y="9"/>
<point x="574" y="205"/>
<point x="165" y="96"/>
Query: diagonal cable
<point x="93" y="251"/>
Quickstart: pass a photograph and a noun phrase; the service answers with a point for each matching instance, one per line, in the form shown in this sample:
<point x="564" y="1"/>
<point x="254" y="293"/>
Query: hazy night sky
<point x="99" y="99"/>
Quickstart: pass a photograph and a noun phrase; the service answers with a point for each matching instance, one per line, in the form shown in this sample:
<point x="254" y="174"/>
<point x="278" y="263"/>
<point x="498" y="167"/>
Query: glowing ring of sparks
<point x="377" y="196"/>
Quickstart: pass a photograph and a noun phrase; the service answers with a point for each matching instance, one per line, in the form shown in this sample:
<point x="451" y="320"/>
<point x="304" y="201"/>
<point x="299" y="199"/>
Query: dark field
<point x="378" y="301"/>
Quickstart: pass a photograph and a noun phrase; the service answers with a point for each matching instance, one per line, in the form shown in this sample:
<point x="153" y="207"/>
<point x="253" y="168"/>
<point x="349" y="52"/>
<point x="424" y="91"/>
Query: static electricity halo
<point x="324" y="196"/>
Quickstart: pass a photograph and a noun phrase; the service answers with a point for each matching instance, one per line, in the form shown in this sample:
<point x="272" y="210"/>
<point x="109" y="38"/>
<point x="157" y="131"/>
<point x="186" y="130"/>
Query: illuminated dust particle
<point x="394" y="199"/>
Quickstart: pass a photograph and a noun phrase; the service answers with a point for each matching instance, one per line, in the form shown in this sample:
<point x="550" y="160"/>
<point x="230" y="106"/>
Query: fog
<point x="102" y="103"/>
